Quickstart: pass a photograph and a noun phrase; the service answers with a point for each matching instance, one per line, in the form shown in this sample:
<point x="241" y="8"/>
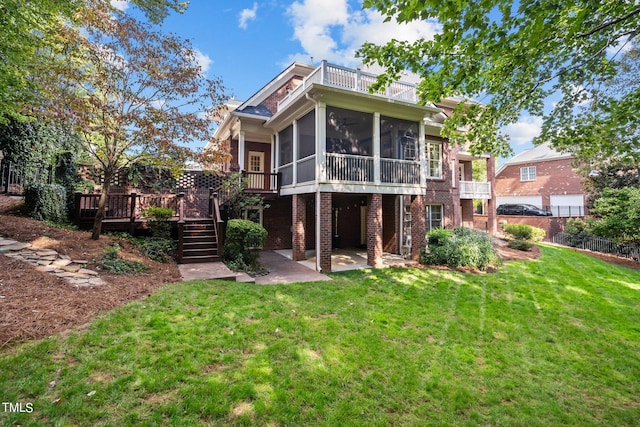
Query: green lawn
<point x="554" y="341"/>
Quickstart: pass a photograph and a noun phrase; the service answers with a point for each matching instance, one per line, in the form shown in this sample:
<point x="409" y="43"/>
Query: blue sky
<point x="247" y="42"/>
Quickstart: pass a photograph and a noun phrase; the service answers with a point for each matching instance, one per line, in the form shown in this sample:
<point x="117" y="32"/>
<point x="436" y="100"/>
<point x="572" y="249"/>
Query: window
<point x="528" y="173"/>
<point x="434" y="160"/>
<point x="434" y="217"/>
<point x="253" y="213"/>
<point x="285" y="140"/>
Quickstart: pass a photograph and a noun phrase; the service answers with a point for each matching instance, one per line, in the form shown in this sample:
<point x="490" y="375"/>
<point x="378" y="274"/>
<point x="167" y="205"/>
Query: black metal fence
<point x="13" y="179"/>
<point x="597" y="244"/>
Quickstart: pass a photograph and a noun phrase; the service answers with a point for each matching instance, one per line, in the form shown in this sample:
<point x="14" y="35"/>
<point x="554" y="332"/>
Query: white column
<point x="321" y="142"/>
<point x="422" y="154"/>
<point x="295" y="152"/>
<point x="376" y="148"/>
<point x="241" y="153"/>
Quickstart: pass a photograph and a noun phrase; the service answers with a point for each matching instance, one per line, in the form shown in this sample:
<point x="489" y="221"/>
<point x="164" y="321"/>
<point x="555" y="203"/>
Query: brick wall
<point x="555" y="177"/>
<point x="325" y="232"/>
<point x="418" y="226"/>
<point x="299" y="209"/>
<point x="277" y="220"/>
<point x="374" y="230"/>
<point x="550" y="224"/>
<point x="440" y="191"/>
<point x="272" y="100"/>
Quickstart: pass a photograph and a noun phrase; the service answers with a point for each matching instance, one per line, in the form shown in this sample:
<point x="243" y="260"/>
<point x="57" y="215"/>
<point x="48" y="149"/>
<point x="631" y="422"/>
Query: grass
<point x="554" y="341"/>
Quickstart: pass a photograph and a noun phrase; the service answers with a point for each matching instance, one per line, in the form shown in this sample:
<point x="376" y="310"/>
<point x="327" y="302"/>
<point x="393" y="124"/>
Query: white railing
<point x="399" y="171"/>
<point x="347" y="167"/>
<point x="475" y="190"/>
<point x="350" y="79"/>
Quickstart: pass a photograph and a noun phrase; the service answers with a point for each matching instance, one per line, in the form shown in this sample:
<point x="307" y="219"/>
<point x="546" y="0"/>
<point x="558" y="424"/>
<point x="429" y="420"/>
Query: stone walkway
<point x="48" y="260"/>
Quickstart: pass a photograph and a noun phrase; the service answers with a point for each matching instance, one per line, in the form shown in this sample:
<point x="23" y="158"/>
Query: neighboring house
<point x="346" y="168"/>
<point x="542" y="177"/>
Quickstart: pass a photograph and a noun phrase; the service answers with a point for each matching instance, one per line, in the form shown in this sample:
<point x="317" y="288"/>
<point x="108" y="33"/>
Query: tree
<point x="618" y="215"/>
<point x="133" y="94"/>
<point x="28" y="29"/>
<point x="515" y="53"/>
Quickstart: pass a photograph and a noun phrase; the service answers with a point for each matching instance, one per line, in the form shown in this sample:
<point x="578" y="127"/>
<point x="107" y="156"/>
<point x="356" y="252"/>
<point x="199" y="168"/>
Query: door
<point x="256" y="177"/>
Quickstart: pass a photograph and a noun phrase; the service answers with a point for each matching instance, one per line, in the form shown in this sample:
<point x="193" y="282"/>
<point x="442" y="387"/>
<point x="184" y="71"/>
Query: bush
<point x="46" y="202"/>
<point x="520" y="245"/>
<point x="243" y="239"/>
<point x="463" y="247"/>
<point x="113" y="263"/>
<point x="524" y="232"/>
<point x="160" y="246"/>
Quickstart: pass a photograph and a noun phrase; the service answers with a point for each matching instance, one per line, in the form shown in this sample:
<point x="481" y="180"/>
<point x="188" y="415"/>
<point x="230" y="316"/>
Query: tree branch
<point x="609" y="23"/>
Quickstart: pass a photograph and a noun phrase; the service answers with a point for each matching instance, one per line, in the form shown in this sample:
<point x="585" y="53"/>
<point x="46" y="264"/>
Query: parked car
<point x="522" y="209"/>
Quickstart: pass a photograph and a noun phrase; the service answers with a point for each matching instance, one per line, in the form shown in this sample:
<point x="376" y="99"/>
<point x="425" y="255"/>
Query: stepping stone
<point x="96" y="281"/>
<point x="44" y="262"/>
<point x="65" y="257"/>
<point x="61" y="262"/>
<point x="46" y="252"/>
<point x="64" y="274"/>
<point x="90" y="272"/>
<point x="78" y="281"/>
<point x="45" y="268"/>
<point x="47" y="257"/>
<point x="71" y="268"/>
<point x="16" y="246"/>
<point x="80" y="261"/>
<point x="7" y="242"/>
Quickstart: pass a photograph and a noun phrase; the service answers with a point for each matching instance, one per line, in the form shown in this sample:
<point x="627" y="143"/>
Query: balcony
<point x="362" y="169"/>
<point x="475" y="190"/>
<point x="347" y="78"/>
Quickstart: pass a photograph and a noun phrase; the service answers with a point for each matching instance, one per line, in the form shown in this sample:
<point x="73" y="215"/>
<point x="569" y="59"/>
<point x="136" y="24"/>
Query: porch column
<point x="374" y="230"/>
<point x="376" y="148"/>
<point x="298" y="238"/>
<point x="492" y="219"/>
<point x="241" y="153"/>
<point x="418" y="226"/>
<point x="324" y="234"/>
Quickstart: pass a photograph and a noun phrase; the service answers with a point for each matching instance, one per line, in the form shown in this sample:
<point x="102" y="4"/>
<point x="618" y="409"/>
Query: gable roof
<point x="541" y="153"/>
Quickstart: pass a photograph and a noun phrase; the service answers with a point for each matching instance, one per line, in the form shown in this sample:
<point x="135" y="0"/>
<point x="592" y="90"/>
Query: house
<point x="542" y="177"/>
<point x="344" y="167"/>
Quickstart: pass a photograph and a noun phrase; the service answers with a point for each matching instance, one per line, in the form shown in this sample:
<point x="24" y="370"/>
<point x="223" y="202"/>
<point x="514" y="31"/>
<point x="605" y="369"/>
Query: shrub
<point x="462" y="247"/>
<point x="520" y="245"/>
<point x="243" y="238"/>
<point x="113" y="263"/>
<point x="46" y="202"/>
<point x="160" y="246"/>
<point x="524" y="232"/>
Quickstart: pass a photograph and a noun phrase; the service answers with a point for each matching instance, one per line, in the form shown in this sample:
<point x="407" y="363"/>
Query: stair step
<point x="197" y="253"/>
<point x="200" y="244"/>
<point x="199" y="235"/>
<point x="199" y="259"/>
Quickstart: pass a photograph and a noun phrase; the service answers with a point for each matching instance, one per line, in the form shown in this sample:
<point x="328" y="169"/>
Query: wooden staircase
<point x="198" y="241"/>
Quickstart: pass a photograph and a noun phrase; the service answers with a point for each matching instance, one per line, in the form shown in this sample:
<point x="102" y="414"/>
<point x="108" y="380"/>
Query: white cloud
<point x="203" y="60"/>
<point x="524" y="130"/>
<point x="121" y="5"/>
<point x="247" y="15"/>
<point x="329" y="29"/>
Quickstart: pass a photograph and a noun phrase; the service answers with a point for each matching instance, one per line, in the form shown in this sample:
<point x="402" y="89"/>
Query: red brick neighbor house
<point x="542" y="177"/>
<point x="347" y="168"/>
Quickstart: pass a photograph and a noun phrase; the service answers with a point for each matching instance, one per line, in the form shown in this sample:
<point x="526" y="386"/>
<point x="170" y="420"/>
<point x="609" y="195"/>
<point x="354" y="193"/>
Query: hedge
<point x="46" y="202"/>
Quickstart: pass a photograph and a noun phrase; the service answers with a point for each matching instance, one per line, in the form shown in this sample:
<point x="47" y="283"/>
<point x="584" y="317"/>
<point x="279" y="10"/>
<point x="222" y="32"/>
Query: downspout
<point x="318" y="267"/>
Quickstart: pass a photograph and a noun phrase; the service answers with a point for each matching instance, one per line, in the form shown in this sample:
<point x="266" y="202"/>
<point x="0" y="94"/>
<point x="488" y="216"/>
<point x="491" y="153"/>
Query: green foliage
<point x="609" y="174"/>
<point x="520" y="245"/>
<point x="517" y="54"/>
<point x="236" y="199"/>
<point x="524" y="232"/>
<point x="113" y="263"/>
<point x="618" y="215"/>
<point x="46" y="202"/>
<point x="579" y="226"/>
<point x="242" y="240"/>
<point x="160" y="246"/>
<point x="464" y="247"/>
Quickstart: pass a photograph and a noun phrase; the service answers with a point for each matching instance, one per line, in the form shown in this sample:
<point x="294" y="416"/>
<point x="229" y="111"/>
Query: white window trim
<point x="428" y="213"/>
<point x="526" y="173"/>
<point x="430" y="160"/>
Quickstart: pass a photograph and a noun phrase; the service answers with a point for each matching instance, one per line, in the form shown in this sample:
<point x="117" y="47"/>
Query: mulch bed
<point x="36" y="304"/>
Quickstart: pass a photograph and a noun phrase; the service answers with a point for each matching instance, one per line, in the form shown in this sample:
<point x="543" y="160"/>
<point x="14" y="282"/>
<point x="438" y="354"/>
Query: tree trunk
<point x="97" y="222"/>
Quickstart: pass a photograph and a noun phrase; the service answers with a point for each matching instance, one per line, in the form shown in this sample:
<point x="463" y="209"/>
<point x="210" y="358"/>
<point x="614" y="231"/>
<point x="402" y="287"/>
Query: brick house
<point x="542" y="177"/>
<point x="347" y="168"/>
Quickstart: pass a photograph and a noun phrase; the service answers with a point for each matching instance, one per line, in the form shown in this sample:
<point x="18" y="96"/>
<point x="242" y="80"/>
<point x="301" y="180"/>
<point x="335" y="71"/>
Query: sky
<point x="247" y="43"/>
